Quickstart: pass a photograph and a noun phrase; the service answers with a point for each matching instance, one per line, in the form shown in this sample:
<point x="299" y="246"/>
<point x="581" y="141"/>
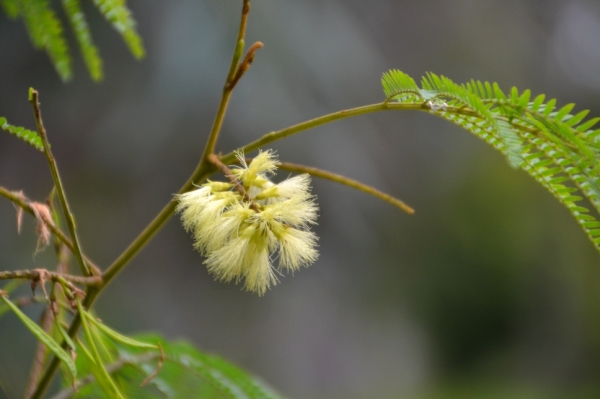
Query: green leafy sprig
<point x="558" y="149"/>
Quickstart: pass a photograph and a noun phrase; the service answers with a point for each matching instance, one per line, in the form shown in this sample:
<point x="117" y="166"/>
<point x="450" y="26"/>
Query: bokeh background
<point x="489" y="291"/>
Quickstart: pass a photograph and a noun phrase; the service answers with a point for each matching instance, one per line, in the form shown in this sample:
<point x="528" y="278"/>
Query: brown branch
<point x="23" y="203"/>
<point x="36" y="275"/>
<point x="34" y="100"/>
<point x="228" y="174"/>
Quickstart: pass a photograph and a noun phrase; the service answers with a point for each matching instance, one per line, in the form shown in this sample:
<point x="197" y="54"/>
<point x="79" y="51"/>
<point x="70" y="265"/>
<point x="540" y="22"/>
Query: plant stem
<point x="53" y="276"/>
<point x="322" y="120"/>
<point x="21" y="201"/>
<point x="227" y="88"/>
<point x="33" y="99"/>
<point x="323" y="174"/>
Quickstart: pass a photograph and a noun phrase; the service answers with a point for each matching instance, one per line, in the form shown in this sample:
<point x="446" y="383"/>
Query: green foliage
<point x="47" y="33"/>
<point x="117" y="13"/>
<point x="185" y="373"/>
<point x="43" y="337"/>
<point x="84" y="38"/>
<point x="28" y="136"/>
<point x="553" y="146"/>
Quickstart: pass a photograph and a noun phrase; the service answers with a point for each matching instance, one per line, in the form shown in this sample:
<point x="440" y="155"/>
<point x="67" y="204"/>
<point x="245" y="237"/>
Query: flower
<point x="242" y="226"/>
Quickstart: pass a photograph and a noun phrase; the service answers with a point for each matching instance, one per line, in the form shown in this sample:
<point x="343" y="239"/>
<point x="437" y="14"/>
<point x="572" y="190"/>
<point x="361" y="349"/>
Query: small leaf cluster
<point x="558" y="149"/>
<point x="26" y="135"/>
<point x="184" y="372"/>
<point x="47" y="32"/>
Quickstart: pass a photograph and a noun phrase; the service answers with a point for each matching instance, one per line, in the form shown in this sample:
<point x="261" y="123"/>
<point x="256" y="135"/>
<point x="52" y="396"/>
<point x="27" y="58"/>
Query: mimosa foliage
<point x="47" y="32"/>
<point x="29" y="136"/>
<point x="186" y="372"/>
<point x="558" y="149"/>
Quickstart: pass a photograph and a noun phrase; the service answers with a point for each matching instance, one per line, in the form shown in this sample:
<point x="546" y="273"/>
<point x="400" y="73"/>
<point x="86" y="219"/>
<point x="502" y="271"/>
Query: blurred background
<point x="490" y="290"/>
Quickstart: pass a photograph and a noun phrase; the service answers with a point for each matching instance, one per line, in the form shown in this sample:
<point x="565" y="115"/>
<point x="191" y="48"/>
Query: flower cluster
<point x="239" y="226"/>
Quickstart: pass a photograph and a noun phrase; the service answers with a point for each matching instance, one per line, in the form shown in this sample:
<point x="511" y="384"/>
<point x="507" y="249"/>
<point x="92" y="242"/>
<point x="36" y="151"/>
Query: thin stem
<point x="36" y="275"/>
<point x="22" y="202"/>
<point x="322" y="120"/>
<point x="33" y="99"/>
<point x="244" y="66"/>
<point x="227" y="89"/>
<point x="323" y="174"/>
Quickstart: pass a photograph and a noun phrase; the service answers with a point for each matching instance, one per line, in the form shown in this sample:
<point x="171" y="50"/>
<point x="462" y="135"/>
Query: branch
<point x="227" y="89"/>
<point x="22" y="202"/>
<point x="34" y="100"/>
<point x="244" y="65"/>
<point x="38" y="274"/>
<point x="323" y="174"/>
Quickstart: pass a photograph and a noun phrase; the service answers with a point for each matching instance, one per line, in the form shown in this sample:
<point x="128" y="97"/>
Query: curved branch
<point x="323" y="174"/>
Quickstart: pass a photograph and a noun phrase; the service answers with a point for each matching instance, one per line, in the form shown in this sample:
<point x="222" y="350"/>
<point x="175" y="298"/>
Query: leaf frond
<point x="80" y="27"/>
<point x="117" y="13"/>
<point x="46" y="32"/>
<point x="557" y="148"/>
<point x="26" y="135"/>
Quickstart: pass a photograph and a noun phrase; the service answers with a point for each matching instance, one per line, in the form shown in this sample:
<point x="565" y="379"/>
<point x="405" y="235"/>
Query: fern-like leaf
<point x="117" y="13"/>
<point x="28" y="136"/>
<point x="558" y="149"/>
<point x="46" y="33"/>
<point x="81" y="29"/>
<point x="11" y="8"/>
<point x="46" y="30"/>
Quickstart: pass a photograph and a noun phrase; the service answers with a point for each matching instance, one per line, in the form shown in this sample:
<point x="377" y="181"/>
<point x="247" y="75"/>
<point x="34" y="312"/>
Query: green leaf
<point x="186" y="373"/>
<point x="554" y="147"/>
<point x="396" y="83"/>
<point x="8" y="288"/>
<point x="116" y="336"/>
<point x="539" y="100"/>
<point x="43" y="337"/>
<point x="46" y="33"/>
<point x="98" y="369"/>
<point x="117" y="13"/>
<point x="81" y="29"/>
<point x="11" y="8"/>
<point x="28" y="136"/>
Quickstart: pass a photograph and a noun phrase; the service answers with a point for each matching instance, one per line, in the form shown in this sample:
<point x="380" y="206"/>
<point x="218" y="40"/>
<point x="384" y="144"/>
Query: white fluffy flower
<point x="241" y="238"/>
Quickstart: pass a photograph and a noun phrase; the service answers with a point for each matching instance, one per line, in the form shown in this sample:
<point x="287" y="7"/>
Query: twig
<point x="227" y="88"/>
<point x="34" y="100"/>
<point x="244" y="65"/>
<point x="35" y="275"/>
<point x="23" y="203"/>
<point x="228" y="174"/>
<point x="323" y="174"/>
